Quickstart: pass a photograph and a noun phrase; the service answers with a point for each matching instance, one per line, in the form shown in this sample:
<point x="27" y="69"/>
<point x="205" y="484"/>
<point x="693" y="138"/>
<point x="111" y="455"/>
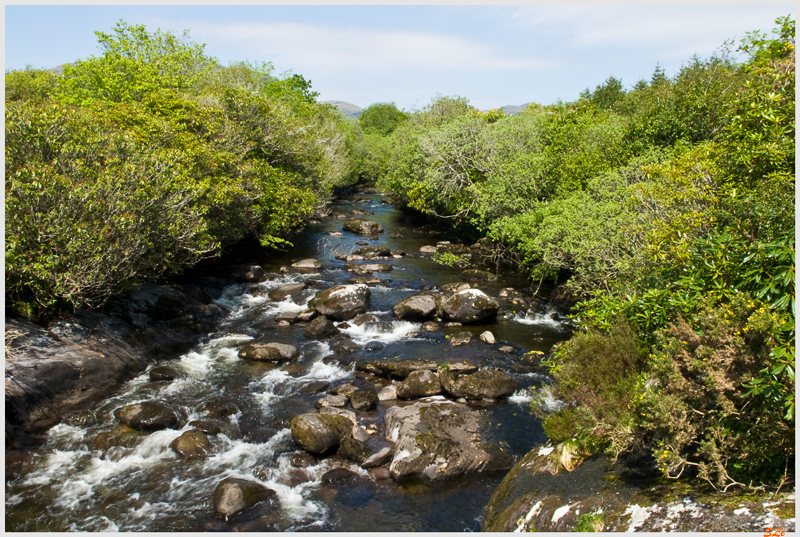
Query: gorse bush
<point x="147" y="158"/>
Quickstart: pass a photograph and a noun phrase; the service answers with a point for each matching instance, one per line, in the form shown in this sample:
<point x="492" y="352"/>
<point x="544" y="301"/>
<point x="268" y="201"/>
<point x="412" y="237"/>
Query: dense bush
<point x="669" y="210"/>
<point x="145" y="159"/>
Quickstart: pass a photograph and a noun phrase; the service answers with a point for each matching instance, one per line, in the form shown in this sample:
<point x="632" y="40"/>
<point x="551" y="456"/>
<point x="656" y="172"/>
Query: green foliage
<point x="381" y="119"/>
<point x="134" y="63"/>
<point x="589" y="522"/>
<point x="448" y="259"/>
<point x="33" y="85"/>
<point x="607" y="94"/>
<point x="148" y="158"/>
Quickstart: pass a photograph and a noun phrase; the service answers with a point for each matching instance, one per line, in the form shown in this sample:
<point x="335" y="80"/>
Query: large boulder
<point x="400" y="369"/>
<point x="539" y="494"/>
<point x="364" y="399"/>
<point x="441" y="440"/>
<point x="420" y="384"/>
<point x="286" y="291"/>
<point x="341" y="302"/>
<point x="320" y="433"/>
<point x="191" y="445"/>
<point x="418" y="307"/>
<point x="148" y="416"/>
<point x="269" y="352"/>
<point x="362" y="227"/>
<point x="250" y="274"/>
<point x="234" y="495"/>
<point x="469" y="306"/>
<point x="483" y="384"/>
<point x="320" y="328"/>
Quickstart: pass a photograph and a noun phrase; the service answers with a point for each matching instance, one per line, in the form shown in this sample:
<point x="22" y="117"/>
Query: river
<point x="67" y="484"/>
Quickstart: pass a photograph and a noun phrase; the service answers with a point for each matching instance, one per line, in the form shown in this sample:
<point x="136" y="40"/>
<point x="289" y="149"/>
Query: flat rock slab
<point x="441" y="440"/>
<point x="418" y="307"/>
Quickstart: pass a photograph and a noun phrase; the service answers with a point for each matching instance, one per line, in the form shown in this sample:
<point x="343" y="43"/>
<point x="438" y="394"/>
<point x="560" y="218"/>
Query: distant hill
<point x="348" y="109"/>
<point x="512" y="109"/>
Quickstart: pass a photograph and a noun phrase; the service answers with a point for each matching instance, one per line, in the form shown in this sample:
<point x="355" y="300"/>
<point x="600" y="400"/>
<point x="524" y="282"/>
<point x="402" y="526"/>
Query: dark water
<point x="68" y="485"/>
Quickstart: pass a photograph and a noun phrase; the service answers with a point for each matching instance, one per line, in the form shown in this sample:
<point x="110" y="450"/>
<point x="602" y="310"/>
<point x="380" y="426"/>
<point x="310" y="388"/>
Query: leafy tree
<point x="380" y="118"/>
<point x="134" y="63"/>
<point x="35" y="85"/>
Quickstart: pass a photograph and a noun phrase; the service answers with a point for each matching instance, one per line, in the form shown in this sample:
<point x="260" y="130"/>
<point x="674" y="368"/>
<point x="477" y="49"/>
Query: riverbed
<point x="141" y="485"/>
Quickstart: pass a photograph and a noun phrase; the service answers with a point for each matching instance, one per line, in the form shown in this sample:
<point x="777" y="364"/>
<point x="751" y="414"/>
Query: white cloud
<point x="325" y="49"/>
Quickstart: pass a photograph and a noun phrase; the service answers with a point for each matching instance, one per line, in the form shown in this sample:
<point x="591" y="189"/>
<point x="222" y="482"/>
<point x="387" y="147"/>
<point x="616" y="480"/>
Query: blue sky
<point x="494" y="56"/>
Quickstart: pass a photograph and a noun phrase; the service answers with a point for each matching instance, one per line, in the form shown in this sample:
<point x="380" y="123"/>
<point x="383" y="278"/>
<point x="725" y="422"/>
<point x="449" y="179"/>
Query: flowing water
<point x="141" y="485"/>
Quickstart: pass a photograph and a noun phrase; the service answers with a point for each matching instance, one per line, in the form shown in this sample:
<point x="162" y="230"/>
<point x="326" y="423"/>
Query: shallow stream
<point x="142" y="486"/>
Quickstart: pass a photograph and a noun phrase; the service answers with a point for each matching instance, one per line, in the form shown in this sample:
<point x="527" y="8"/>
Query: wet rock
<point x="360" y="320"/>
<point x="378" y="459"/>
<point x="483" y="384"/>
<point x="346" y="346"/>
<point x="397" y="254"/>
<point x="359" y="433"/>
<point x="394" y="368"/>
<point x="362" y="243"/>
<point x="312" y="433"/>
<point x="338" y="216"/>
<point x="341" y="302"/>
<point x="380" y="474"/>
<point x="418" y="307"/>
<point x="215" y="427"/>
<point x="428" y="250"/>
<point x="371" y="252"/>
<point x="339" y="476"/>
<point x="353" y="449"/>
<point x="367" y="280"/>
<point x="532" y="358"/>
<point x="307" y="266"/>
<point x="307" y="315"/>
<point x="389" y="393"/>
<point x="269" y="352"/>
<point x="350" y="257"/>
<point x="460" y="338"/>
<point x="320" y="328"/>
<point x="368" y="268"/>
<point x="344" y="389"/>
<point x="475" y="275"/>
<point x="443" y="245"/>
<point x="361" y="212"/>
<point x="452" y="325"/>
<point x="373" y="346"/>
<point x="148" y="416"/>
<point x="250" y="274"/>
<point x="284" y="291"/>
<point x="315" y="387"/>
<point x="122" y="436"/>
<point x="349" y="415"/>
<point x="338" y="401"/>
<point x="453" y="288"/>
<point x="260" y="435"/>
<point x="362" y="227"/>
<point x="563" y="298"/>
<point x="191" y="445"/>
<point x="441" y="440"/>
<point x="287" y="316"/>
<point x="163" y="373"/>
<point x="234" y="495"/>
<point x="469" y="306"/>
<point x="395" y="236"/>
<point x="488" y="337"/>
<point x="336" y="233"/>
<point x="420" y="384"/>
<point x="217" y="410"/>
<point x="301" y="460"/>
<point x="506" y="349"/>
<point x="364" y="399"/>
<point x="430" y="326"/>
<point x="80" y="418"/>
